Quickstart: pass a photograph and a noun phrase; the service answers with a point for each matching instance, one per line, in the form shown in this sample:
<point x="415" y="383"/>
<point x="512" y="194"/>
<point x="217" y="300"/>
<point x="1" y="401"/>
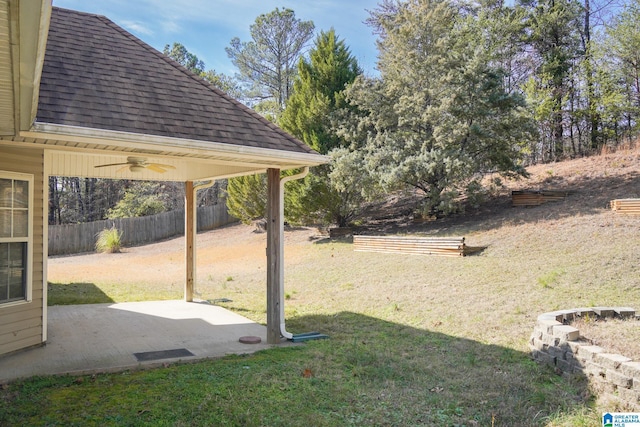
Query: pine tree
<point x="554" y="34"/>
<point x="267" y="63"/>
<point x="316" y="92"/>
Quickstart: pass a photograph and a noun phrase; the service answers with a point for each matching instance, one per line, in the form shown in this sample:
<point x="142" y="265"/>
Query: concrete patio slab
<point x="104" y="337"/>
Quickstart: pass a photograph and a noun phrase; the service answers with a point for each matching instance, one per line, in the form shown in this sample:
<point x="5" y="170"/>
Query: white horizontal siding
<point x="22" y="324"/>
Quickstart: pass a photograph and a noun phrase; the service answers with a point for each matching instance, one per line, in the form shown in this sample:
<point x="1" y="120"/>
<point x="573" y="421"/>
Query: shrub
<point x="247" y="197"/>
<point x="108" y="241"/>
<point x="136" y="204"/>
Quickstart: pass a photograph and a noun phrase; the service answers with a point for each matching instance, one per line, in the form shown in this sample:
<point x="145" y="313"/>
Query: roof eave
<point x="101" y="137"/>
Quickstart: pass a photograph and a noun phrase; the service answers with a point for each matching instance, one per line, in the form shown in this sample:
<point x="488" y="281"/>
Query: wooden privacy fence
<point x="443" y="246"/>
<point x="537" y="197"/>
<point x="626" y="206"/>
<point x="76" y="238"/>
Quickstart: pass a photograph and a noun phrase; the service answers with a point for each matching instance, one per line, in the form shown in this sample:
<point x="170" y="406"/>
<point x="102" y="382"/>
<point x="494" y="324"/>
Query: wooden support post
<point x="190" y="240"/>
<point x="274" y="261"/>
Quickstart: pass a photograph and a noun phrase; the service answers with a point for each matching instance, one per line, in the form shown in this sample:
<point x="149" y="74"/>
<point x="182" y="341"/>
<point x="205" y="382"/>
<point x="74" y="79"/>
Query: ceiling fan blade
<point x="156" y="168"/>
<point x="162" y="165"/>
<point x="136" y="164"/>
<point x="110" y="164"/>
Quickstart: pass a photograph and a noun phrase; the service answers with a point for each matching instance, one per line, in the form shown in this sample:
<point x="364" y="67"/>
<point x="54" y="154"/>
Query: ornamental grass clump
<point x="109" y="241"/>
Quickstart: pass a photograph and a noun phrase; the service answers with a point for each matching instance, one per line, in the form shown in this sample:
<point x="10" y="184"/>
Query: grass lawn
<point x="414" y="340"/>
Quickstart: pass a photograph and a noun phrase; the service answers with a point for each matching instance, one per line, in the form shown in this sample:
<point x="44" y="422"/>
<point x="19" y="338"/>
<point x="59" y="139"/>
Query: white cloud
<point x="171" y="27"/>
<point x="137" y="27"/>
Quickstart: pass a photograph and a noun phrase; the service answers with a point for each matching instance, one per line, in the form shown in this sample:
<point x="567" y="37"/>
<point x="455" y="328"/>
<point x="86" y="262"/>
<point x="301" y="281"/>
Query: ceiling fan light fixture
<point x="136" y="168"/>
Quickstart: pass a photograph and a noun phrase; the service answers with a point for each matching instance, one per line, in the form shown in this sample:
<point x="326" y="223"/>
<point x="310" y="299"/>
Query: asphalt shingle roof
<point x="97" y="75"/>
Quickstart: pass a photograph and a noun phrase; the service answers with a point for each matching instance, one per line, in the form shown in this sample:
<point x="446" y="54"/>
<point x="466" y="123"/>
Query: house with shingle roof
<point x="78" y="92"/>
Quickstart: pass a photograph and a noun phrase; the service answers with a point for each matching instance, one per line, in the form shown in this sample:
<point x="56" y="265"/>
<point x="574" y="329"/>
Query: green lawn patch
<point x="370" y="372"/>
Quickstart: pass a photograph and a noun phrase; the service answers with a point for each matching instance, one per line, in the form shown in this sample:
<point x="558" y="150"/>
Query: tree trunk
<point x="54" y="201"/>
<point x="591" y="109"/>
<point x="558" y="129"/>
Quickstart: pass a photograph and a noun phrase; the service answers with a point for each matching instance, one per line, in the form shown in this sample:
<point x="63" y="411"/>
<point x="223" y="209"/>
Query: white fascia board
<point x="43" y="35"/>
<point x="34" y="17"/>
<point x="102" y="137"/>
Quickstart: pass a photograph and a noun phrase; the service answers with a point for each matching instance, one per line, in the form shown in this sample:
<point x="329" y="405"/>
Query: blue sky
<point x="205" y="27"/>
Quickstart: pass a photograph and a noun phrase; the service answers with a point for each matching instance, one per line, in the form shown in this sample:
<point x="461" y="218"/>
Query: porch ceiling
<point x="83" y="164"/>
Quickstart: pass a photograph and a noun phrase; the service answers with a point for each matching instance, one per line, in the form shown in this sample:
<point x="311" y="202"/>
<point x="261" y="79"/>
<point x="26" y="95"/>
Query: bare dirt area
<point x="163" y="262"/>
<point x="593" y="181"/>
<point x="616" y="335"/>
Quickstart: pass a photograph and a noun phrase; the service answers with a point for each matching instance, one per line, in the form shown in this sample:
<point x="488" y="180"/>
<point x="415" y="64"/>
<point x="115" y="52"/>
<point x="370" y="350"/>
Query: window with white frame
<point x="16" y="195"/>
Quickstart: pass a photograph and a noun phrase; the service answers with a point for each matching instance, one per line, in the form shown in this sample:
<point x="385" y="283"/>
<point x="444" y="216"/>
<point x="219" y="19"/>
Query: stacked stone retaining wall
<point x="614" y="377"/>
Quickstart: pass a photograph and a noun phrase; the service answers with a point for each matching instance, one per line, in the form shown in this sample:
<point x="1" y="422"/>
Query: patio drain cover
<point x="162" y="354"/>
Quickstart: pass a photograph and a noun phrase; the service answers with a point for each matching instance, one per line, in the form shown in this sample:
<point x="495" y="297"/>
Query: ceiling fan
<point x="138" y="164"/>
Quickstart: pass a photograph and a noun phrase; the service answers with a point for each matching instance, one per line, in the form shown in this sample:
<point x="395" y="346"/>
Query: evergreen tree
<point x="137" y="202"/>
<point x="554" y="33"/>
<point x="227" y="84"/>
<point x="611" y="97"/>
<point x="191" y="62"/>
<point x="267" y="64"/>
<point x="439" y="116"/>
<point x="182" y="56"/>
<point x="622" y="47"/>
<point x="247" y="197"/>
<point x="317" y="93"/>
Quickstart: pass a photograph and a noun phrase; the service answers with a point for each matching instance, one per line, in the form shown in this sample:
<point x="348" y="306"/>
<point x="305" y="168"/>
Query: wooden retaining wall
<point x="442" y="246"/>
<point x="537" y="197"/>
<point x="626" y="206"/>
<point x="77" y="238"/>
